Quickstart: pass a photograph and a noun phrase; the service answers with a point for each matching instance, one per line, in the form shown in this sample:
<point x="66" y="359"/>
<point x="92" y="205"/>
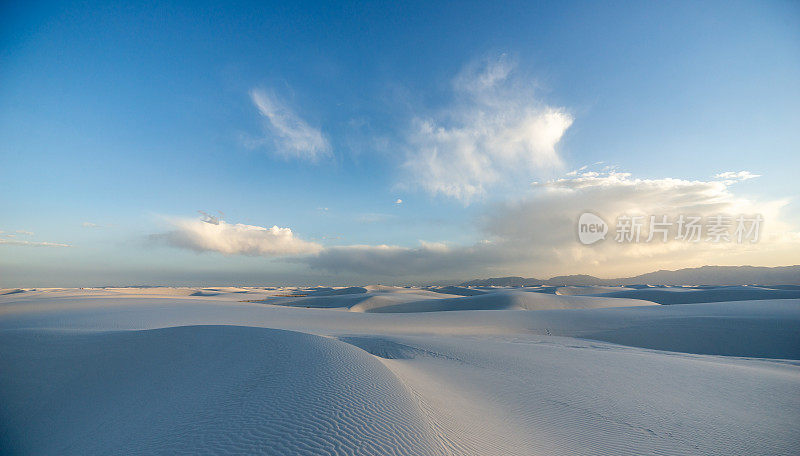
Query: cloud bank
<point x="534" y="235"/>
<point x="292" y="136"/>
<point x="495" y="131"/>
<point x="612" y="193"/>
<point x="537" y="234"/>
<point x="544" y="224"/>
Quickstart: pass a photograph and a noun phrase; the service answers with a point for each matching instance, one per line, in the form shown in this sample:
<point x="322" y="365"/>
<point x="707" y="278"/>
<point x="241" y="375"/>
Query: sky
<point x="332" y="143"/>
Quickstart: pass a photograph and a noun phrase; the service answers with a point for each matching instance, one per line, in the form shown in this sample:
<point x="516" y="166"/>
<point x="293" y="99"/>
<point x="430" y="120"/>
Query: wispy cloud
<point x="13" y="239"/>
<point x="234" y="239"/>
<point x="292" y="136"/>
<point x="495" y="131"/>
<point x="733" y="176"/>
<point x="32" y="243"/>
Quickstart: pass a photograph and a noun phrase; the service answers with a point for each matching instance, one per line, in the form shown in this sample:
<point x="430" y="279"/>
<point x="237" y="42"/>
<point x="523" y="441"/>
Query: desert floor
<point x="383" y="370"/>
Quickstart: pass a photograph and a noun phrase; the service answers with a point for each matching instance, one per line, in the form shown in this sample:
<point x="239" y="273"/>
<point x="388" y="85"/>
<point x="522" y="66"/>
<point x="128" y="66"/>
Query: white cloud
<point x="235" y="239"/>
<point x="619" y="191"/>
<point x="536" y="235"/>
<point x="481" y="76"/>
<point x="544" y="224"/>
<point x="32" y="243"/>
<point x="733" y="176"/>
<point x="533" y="236"/>
<point x="292" y="136"/>
<point x="24" y="232"/>
<point x="398" y="201"/>
<point x="496" y="131"/>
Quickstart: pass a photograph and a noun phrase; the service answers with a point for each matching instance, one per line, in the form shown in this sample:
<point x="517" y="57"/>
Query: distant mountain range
<point x="706" y="275"/>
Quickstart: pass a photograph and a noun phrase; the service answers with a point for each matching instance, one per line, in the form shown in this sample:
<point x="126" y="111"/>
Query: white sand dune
<point x="764" y="329"/>
<point x="358" y="299"/>
<point x="458" y="291"/>
<point x="743" y="328"/>
<point x="675" y="295"/>
<point x="502" y="300"/>
<point x="207" y="389"/>
<point x="357" y="302"/>
<point x="562" y="396"/>
<point x="581" y="291"/>
<point x="89" y="371"/>
<point x="393" y="300"/>
<point x="337" y="291"/>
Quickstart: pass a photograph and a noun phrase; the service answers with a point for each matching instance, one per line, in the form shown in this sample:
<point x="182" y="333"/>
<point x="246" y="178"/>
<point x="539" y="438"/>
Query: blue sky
<point x="120" y="122"/>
